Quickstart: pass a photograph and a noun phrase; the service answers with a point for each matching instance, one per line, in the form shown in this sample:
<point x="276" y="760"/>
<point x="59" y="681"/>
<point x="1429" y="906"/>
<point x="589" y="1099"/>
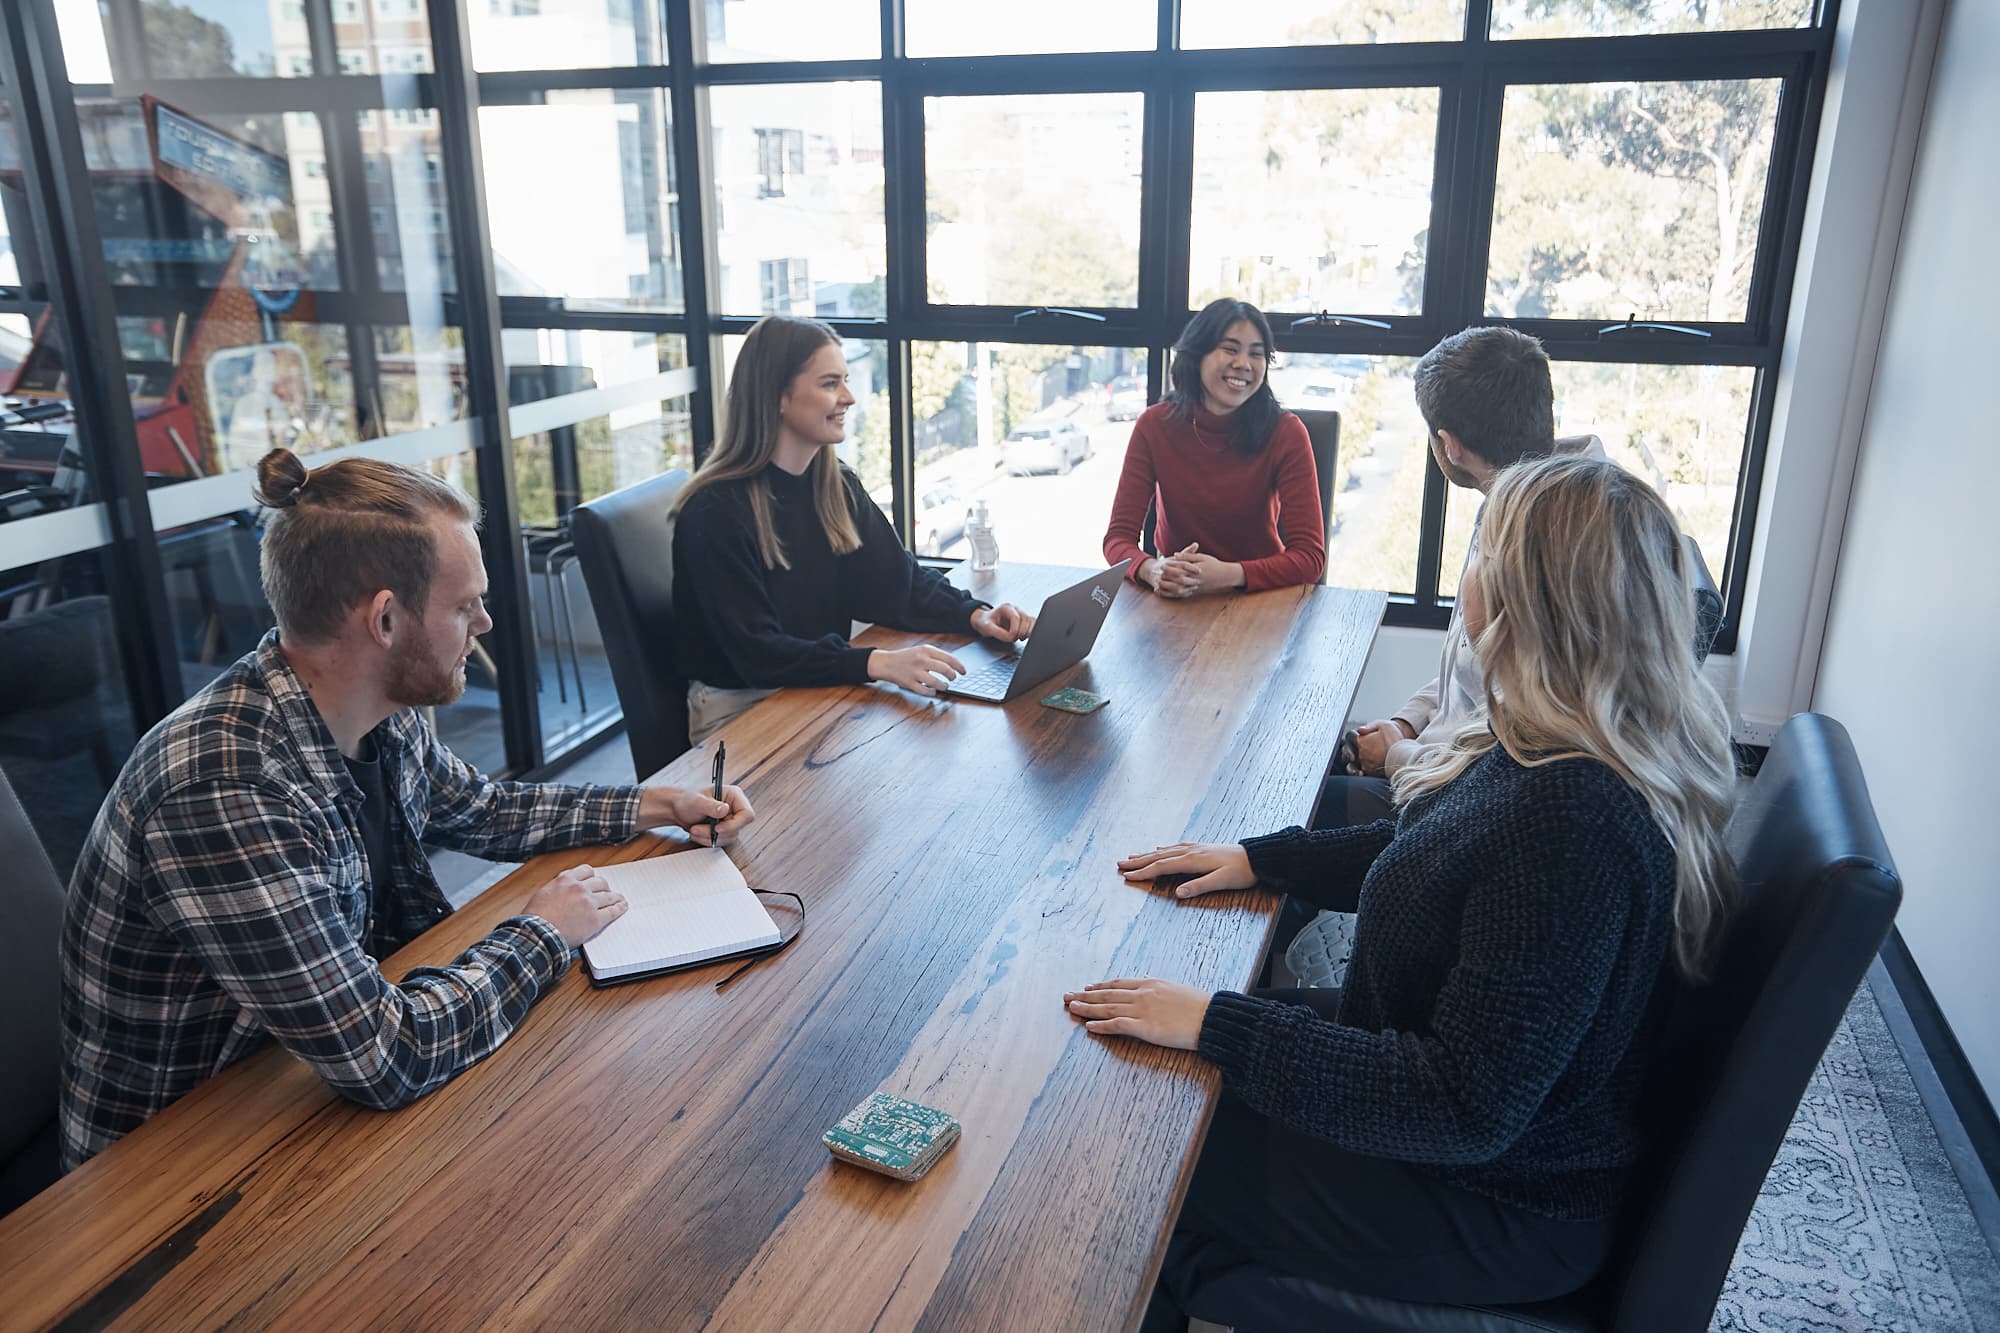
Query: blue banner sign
<point x="200" y="151"/>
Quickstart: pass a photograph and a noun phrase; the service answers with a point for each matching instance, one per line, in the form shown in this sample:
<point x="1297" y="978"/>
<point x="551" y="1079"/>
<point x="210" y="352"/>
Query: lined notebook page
<point x="684" y="908"/>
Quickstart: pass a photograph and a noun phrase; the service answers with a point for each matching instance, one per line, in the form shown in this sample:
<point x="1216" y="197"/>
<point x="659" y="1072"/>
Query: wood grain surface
<point x="648" y="1155"/>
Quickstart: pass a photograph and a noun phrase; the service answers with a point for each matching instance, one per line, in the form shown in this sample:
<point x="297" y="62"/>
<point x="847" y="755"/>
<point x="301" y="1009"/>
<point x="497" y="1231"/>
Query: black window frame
<point x="1471" y="74"/>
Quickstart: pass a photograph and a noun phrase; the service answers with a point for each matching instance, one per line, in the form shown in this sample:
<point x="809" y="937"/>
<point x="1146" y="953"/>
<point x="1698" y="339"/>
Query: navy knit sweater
<point x="1498" y="1006"/>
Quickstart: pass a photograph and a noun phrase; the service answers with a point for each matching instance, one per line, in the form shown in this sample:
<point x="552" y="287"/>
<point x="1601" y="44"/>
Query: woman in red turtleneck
<point x="1232" y="471"/>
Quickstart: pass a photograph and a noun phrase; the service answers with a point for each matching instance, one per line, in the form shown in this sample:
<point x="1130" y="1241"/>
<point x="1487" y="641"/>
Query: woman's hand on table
<point x="923" y="669"/>
<point x="1164" y="1013"/>
<point x="1006" y="622"/>
<point x="1215" y="867"/>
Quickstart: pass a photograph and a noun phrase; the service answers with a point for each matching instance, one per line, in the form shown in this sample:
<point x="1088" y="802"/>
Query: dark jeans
<point x="1345" y="800"/>
<point x="1279" y="1198"/>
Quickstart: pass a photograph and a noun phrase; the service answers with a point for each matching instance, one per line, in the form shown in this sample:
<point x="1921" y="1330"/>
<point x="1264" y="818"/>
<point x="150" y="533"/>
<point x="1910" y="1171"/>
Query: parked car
<point x="1044" y="446"/>
<point x="1322" y="396"/>
<point x="940" y="517"/>
<point x="940" y="520"/>
<point x="1128" y="398"/>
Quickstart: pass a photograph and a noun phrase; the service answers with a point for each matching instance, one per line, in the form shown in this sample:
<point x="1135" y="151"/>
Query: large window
<point x="797" y="195"/>
<point x="1026" y="428"/>
<point x="1032" y="200"/>
<point x="1622" y="197"/>
<point x="1410" y="181"/>
<point x="604" y="154"/>
<point x="954" y="28"/>
<point x="560" y="34"/>
<point x="1313" y="199"/>
<point x="1007" y="213"/>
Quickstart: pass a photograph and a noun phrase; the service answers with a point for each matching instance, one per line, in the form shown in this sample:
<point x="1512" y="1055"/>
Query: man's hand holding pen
<point x="693" y="810"/>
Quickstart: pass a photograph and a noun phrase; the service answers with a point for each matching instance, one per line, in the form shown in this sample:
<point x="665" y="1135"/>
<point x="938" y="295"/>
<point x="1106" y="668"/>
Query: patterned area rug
<point x="1862" y="1225"/>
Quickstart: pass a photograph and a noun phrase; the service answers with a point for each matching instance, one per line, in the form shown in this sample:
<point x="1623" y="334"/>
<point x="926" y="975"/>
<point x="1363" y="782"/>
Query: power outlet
<point x="1748" y="732"/>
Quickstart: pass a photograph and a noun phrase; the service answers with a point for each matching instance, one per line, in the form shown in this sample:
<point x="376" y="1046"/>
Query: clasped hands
<point x="1378" y="749"/>
<point x="925" y="668"/>
<point x="1164" y="1013"/>
<point x="1189" y="573"/>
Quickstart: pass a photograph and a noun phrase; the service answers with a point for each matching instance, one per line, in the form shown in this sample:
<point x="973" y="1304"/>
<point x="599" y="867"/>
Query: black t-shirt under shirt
<point x="375" y="840"/>
<point x="739" y="625"/>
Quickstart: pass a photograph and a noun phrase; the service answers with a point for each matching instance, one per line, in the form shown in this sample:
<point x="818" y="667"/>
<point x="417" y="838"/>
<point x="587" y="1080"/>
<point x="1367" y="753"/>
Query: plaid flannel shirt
<point x="223" y="897"/>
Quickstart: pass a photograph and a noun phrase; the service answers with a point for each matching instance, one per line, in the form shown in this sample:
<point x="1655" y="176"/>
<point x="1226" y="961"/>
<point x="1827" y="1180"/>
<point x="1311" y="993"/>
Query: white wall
<point x="1911" y="654"/>
<point x="1401" y="662"/>
<point x="1883" y="54"/>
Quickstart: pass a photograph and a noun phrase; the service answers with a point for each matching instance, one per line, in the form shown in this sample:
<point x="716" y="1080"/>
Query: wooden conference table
<point x="648" y="1156"/>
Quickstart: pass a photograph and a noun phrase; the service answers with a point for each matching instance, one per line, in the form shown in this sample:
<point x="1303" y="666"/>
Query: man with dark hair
<point x="262" y="848"/>
<point x="1488" y="403"/>
<point x="1486" y="396"/>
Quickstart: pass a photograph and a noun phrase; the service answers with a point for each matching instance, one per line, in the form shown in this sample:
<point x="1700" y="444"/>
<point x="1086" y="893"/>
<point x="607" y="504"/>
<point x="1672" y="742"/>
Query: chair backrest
<point x="1323" y="429"/>
<point x="1818" y="894"/>
<point x="53" y="656"/>
<point x="1707" y="599"/>
<point x="625" y="545"/>
<point x="31" y="907"/>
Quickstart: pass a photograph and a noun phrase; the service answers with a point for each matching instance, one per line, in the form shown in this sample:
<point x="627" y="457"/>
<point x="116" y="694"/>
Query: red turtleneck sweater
<point x="1260" y="511"/>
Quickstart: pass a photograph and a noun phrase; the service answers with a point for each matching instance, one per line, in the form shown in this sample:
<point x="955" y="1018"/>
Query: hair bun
<point x="280" y="478"/>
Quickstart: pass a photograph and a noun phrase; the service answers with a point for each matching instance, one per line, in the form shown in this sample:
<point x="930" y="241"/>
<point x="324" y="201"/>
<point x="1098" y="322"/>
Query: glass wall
<point x="66" y="714"/>
<point x="584" y="205"/>
<point x="281" y="264"/>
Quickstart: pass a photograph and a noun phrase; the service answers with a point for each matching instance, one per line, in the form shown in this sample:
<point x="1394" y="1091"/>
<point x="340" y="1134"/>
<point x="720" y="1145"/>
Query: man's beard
<point x="418" y="680"/>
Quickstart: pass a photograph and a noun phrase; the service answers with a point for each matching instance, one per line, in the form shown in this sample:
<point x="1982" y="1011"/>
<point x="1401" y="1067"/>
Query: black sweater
<point x="739" y="625"/>
<point x="1498" y="1005"/>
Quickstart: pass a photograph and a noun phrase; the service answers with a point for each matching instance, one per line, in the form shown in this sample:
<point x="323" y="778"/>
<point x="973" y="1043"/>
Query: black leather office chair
<point x="31" y="906"/>
<point x="1707" y="599"/>
<point x="1323" y="429"/>
<point x="625" y="545"/>
<point x="1819" y="893"/>
<point x="51" y="662"/>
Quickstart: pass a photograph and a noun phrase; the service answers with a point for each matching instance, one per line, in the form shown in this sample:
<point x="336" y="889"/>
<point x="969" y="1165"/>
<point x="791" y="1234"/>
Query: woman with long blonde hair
<point x="1459" y="1121"/>
<point x="778" y="548"/>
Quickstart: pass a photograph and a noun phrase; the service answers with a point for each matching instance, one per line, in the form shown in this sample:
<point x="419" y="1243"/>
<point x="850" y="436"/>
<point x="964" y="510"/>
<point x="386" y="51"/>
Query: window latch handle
<point x="1326" y="317"/>
<point x="1034" y="311"/>
<point x="1632" y="321"/>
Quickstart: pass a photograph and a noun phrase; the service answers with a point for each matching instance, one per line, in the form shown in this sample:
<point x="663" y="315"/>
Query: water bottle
<point x="979" y="532"/>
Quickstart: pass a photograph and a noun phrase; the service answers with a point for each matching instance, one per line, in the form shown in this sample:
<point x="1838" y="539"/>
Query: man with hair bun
<point x="262" y="848"/>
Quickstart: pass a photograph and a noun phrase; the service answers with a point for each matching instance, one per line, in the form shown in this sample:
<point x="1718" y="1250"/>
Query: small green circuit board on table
<point x="896" y="1137"/>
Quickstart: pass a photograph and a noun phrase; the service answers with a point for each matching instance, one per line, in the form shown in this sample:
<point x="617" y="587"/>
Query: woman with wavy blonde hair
<point x="1459" y="1121"/>
<point x="1587" y="633"/>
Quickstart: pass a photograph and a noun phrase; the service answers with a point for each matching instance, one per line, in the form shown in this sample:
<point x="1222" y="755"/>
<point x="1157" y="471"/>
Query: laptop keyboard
<point x="991" y="679"/>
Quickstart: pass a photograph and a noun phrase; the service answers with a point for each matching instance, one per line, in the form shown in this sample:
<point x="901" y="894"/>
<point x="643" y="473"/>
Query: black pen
<point x="721" y="750"/>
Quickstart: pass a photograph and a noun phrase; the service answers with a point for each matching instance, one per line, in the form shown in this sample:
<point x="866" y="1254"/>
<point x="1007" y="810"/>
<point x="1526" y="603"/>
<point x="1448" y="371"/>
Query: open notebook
<point x="687" y="908"/>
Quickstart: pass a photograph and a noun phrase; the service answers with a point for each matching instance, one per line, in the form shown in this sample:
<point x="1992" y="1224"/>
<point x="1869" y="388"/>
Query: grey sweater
<point x="1499" y="1003"/>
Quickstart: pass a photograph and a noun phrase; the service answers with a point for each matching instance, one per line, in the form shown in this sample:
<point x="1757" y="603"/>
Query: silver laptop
<point x="1064" y="633"/>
